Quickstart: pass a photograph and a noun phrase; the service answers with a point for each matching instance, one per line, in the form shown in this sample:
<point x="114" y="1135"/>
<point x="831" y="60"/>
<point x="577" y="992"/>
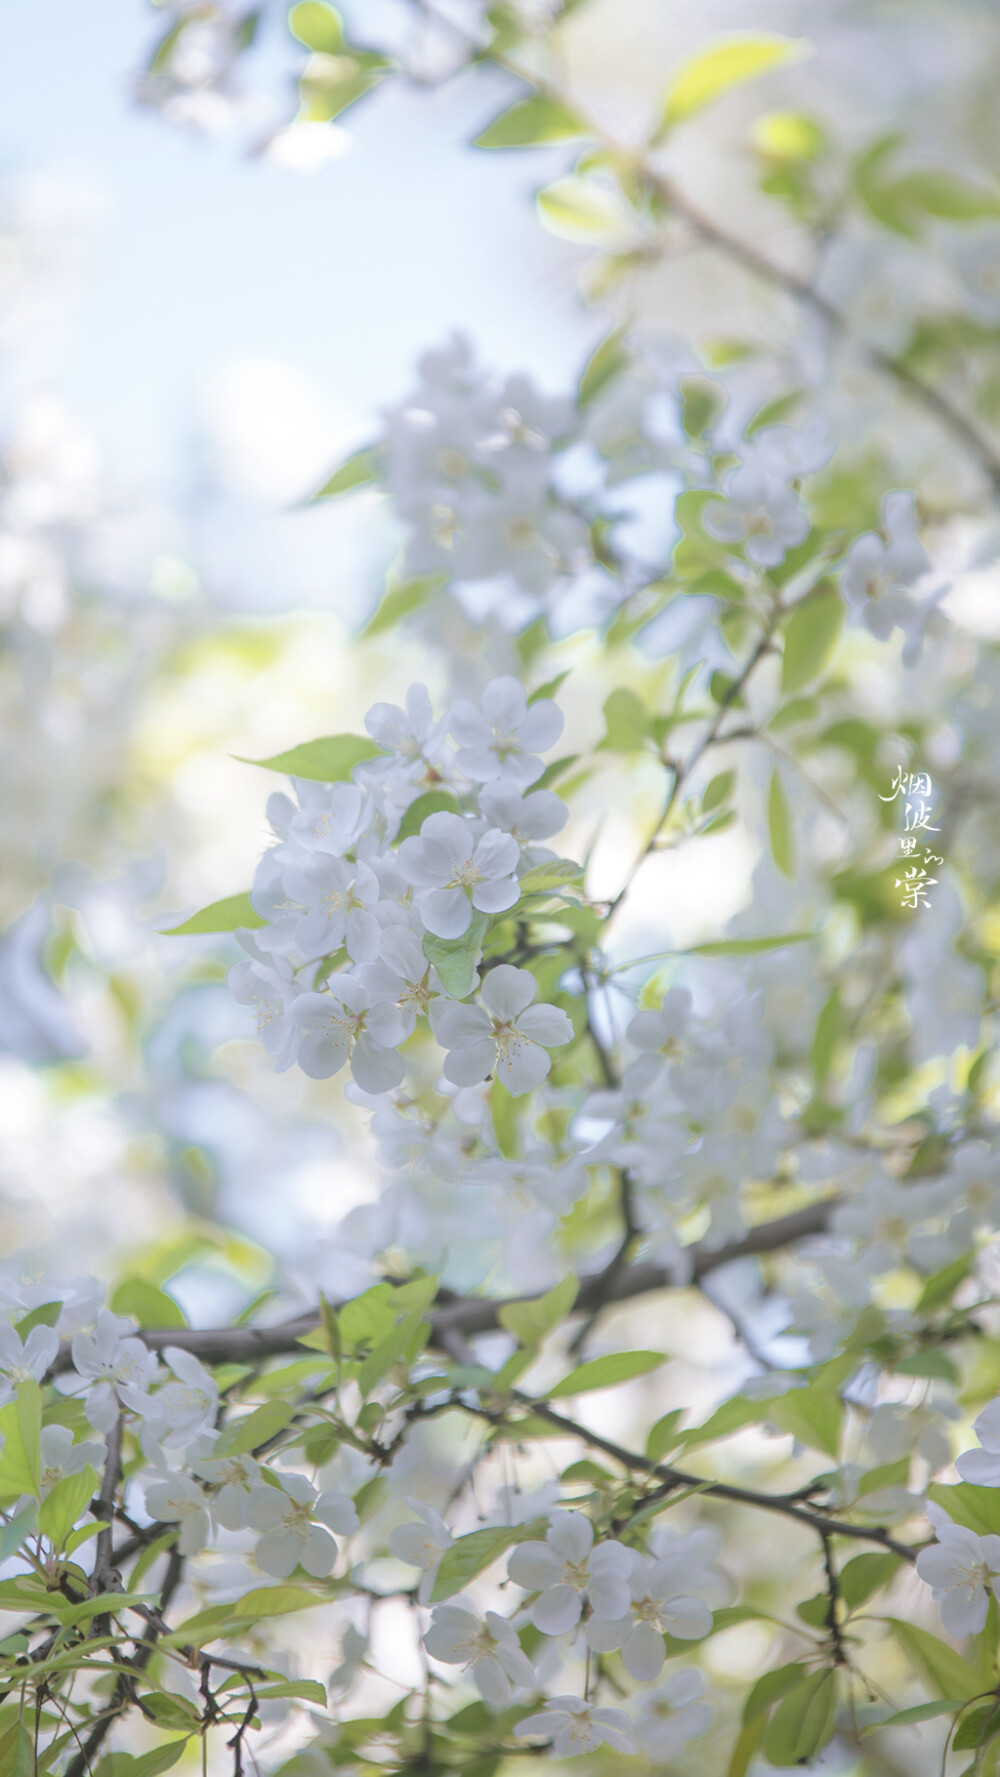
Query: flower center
<point x="464" y="876"/>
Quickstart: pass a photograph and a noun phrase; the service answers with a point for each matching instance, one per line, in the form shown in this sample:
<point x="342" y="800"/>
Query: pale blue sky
<point x="206" y="255"/>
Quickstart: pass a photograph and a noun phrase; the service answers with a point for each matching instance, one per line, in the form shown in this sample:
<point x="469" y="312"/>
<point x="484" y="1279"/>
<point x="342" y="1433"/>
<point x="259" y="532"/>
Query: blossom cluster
<point x="342" y="969"/>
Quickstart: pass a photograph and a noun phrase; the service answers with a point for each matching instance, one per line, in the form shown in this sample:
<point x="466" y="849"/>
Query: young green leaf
<point x="472" y="1554"/>
<point x="456" y="959"/>
<point x="234" y="914"/>
<point x="811" y="634"/>
<point x="327" y="761"/>
<point x="723" y="64"/>
<point x="607" y="1372"/>
<point x="360" y="470"/>
<point x="529" y="1322"/>
<point x="531" y="122"/>
<point x="780" y="826"/>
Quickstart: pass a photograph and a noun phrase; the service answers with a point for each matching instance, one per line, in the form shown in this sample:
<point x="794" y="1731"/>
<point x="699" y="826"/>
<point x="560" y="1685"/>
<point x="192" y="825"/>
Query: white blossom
<point x="501" y="737"/>
<point x="342" y="1024"/>
<point x="672" y="1715"/>
<point x="507" y="1033"/>
<point x="660" y="1605"/>
<point x="180" y="1500"/>
<point x="176" y="1412"/>
<point x="62" y="1457"/>
<point x="566" y="1568"/>
<point x="111" y="1361"/>
<point x="24" y="1361"/>
<point x="232" y="1479"/>
<point x="488" y="1649"/>
<point x="292" y="1537"/>
<point x="456" y="870"/>
<point x="401" y="976"/>
<point x="962" y="1570"/>
<point x="575" y="1726"/>
<point x="421" y="1543"/>
<point x="982" y="1466"/>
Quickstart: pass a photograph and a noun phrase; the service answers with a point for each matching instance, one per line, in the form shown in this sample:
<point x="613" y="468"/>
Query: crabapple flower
<point x="421" y="1544"/>
<point x="334" y="899"/>
<point x="233" y="1478"/>
<point x="574" y="1726"/>
<point x="982" y="1466"/>
<point x="488" y="1649"/>
<point x="292" y="1537"/>
<point x="111" y="1363"/>
<point x="760" y="509"/>
<point x="24" y="1362"/>
<point x="268" y="985"/>
<point x="329" y="817"/>
<point x="565" y="1568"/>
<point x="454" y="871"/>
<point x="402" y="976"/>
<point x="180" y="1500"/>
<point x="507" y="1033"/>
<point x="538" y="815"/>
<point x="962" y="1569"/>
<point x="501" y="737"/>
<point x="660" y="1605"/>
<point x="672" y="1715"/>
<point x="182" y="1408"/>
<point x="658" y="1037"/>
<point x="881" y="571"/>
<point x="342" y="1023"/>
<point x="61" y="1457"/>
<point x="411" y="733"/>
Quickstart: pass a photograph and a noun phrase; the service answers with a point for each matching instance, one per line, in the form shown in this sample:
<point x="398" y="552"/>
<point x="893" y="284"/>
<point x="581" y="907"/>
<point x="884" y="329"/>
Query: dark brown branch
<point x="672" y="1480"/>
<point x="468" y="1315"/>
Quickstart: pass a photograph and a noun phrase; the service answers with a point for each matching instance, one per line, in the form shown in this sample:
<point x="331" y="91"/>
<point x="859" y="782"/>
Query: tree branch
<point x="465" y="1316"/>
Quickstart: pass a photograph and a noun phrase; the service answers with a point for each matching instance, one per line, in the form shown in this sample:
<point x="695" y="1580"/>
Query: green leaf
<point x="13" y="1533"/>
<point x="456" y="959"/>
<point x="935" y="191"/>
<point x="977" y="1727"/>
<point x="718" y="790"/>
<point x="731" y="1416"/>
<point x="780" y="826"/>
<point x="505" y="1117"/>
<point x="627" y="722"/>
<point x="532" y="121"/>
<point x="864" y="1575"/>
<point x="530" y="1322"/>
<point x="942" y="1285"/>
<point x="606" y="1372"/>
<point x="150" y="1306"/>
<point x="401" y="1345"/>
<point x="905" y="1718"/>
<point x="977" y="1508"/>
<point x="257" y="1428"/>
<point x="144" y="1764"/>
<point x="557" y="873"/>
<point x="812" y="1415"/>
<point x="272" y="1601"/>
<point x="362" y="468"/>
<point x="367" y="1318"/>
<point x="21" y="1430"/>
<point x="747" y="1741"/>
<point x="17" y="1750"/>
<point x="46" y="1315"/>
<point x="607" y="362"/>
<point x="811" y="635"/>
<point x="433" y="802"/>
<point x="744" y="946"/>
<point x="942" y="1668"/>
<point x="327" y="761"/>
<point x="400" y="601"/>
<point x="316" y="26"/>
<point x="830" y="1026"/>
<point x="577" y="209"/>
<point x="664" y="1435"/>
<point x="789" y="135"/>
<point x="802" y="1722"/>
<point x="800" y="709"/>
<point x="472" y="1554"/>
<point x="234" y="914"/>
<point x="729" y="61"/>
<point x="304" y="1690"/>
<point x="65" y="1503"/>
